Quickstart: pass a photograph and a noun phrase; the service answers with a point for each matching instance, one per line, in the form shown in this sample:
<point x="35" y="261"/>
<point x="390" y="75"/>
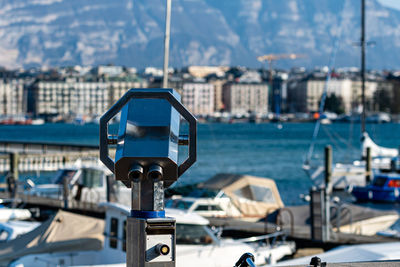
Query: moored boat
<point x="384" y="188"/>
<point x="232" y="196"/>
<point x="86" y="183"/>
<point x="105" y="243"/>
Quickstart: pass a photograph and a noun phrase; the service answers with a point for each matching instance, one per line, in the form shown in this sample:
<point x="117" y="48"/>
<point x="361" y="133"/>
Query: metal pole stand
<point x="146" y="160"/>
<point x="150" y="242"/>
<point x="150" y="235"/>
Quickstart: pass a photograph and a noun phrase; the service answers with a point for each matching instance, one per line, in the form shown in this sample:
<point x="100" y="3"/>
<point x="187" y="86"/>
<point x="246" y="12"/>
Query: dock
<point x="30" y="156"/>
<point x="297" y="227"/>
<point x="69" y="204"/>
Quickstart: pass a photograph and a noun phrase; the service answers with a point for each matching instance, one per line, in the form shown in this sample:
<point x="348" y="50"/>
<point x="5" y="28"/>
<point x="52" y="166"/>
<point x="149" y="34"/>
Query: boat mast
<point x="166" y="43"/>
<point x="363" y="44"/>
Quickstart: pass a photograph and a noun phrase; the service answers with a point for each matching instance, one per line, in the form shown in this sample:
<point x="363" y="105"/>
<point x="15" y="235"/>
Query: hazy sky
<point x="391" y="3"/>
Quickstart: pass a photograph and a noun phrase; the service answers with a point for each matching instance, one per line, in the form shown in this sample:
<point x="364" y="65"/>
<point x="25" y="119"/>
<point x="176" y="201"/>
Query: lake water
<point x="255" y="149"/>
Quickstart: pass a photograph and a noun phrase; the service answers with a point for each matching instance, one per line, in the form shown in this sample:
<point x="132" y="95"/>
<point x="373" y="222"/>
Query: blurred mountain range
<point x="215" y="32"/>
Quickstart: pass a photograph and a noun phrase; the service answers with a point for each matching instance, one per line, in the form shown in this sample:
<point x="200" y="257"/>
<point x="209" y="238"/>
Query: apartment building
<point x="218" y="88"/>
<point x="306" y="95"/>
<point x="356" y="96"/>
<point x="117" y="89"/>
<point x="198" y="97"/>
<point x="70" y="97"/>
<point x="13" y="100"/>
<point x="241" y="98"/>
<point x="75" y="97"/>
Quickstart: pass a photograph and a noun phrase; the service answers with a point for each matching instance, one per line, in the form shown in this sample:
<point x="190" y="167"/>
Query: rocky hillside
<point x="230" y="32"/>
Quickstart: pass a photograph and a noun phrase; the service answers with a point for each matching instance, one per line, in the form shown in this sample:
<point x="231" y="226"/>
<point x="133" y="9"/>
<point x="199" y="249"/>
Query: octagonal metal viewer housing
<point x="148" y="136"/>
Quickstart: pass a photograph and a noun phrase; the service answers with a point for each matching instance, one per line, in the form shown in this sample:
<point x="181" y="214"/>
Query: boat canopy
<point x="253" y="196"/>
<point x="376" y="151"/>
<point x="65" y="231"/>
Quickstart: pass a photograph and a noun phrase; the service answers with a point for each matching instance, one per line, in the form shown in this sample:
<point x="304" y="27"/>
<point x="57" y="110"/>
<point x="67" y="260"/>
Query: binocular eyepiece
<point x="135" y="173"/>
<point x="155" y="172"/>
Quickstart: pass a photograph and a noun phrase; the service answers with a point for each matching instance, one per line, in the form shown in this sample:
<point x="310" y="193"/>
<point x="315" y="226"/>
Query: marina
<point x="291" y="219"/>
<point x="201" y="165"/>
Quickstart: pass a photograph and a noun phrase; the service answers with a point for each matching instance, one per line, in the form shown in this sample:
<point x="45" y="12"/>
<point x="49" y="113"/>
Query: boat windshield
<point x="256" y="193"/>
<point x="179" y="204"/>
<point x="192" y="234"/>
<point x="379" y="181"/>
<point x="92" y="178"/>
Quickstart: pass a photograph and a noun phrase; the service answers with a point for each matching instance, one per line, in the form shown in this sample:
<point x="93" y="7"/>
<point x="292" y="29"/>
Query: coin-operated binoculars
<point x="146" y="160"/>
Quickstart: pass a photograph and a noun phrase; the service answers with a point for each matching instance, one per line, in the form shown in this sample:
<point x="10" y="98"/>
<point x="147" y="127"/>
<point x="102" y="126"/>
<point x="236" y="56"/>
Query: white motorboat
<point x="86" y="183"/>
<point x="196" y="245"/>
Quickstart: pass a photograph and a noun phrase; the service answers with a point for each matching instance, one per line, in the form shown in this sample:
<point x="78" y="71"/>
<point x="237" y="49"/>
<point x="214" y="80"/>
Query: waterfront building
<point x="70" y="98"/>
<point x="218" y="86"/>
<point x="198" y="97"/>
<point x="313" y="90"/>
<point x="243" y="98"/>
<point x="370" y="89"/>
<point x="117" y="88"/>
<point x="387" y="96"/>
<point x="278" y="95"/>
<point x="13" y="100"/>
<point x="174" y="81"/>
<point x="108" y="71"/>
<point x="155" y="72"/>
<point x="306" y="95"/>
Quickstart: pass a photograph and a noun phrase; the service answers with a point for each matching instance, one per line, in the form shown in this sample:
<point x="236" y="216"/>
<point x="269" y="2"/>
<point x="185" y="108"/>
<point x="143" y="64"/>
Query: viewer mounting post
<point x="363" y="44"/>
<point x="328" y="190"/>
<point x="368" y="166"/>
<point x="320" y="204"/>
<point x="146" y="160"/>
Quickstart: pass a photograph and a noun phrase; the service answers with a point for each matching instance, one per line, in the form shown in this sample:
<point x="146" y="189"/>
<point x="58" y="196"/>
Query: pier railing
<point x="41" y="156"/>
<point x="47" y="162"/>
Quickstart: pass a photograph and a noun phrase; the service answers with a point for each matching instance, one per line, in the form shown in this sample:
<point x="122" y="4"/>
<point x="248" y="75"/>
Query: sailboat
<point x="345" y="176"/>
